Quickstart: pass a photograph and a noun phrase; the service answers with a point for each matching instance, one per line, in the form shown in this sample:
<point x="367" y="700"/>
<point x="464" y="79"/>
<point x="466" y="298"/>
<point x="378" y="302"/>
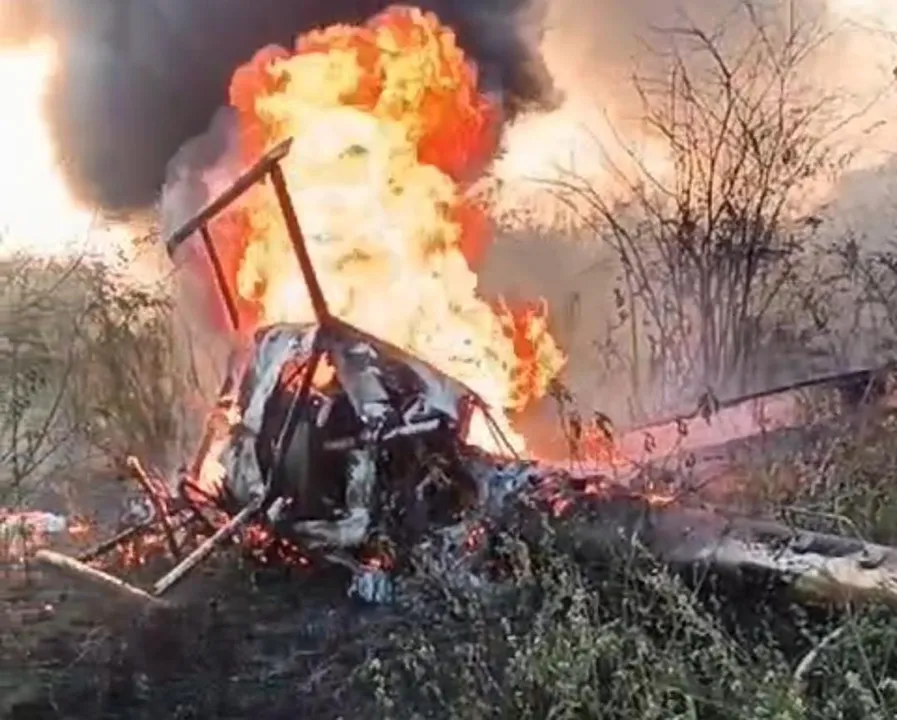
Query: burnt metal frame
<point x="180" y="509"/>
<point x="174" y="512"/>
<point x="268" y="166"/>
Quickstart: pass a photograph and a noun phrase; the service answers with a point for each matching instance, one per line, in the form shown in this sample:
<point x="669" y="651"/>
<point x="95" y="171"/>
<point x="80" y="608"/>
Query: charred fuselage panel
<point x="332" y="450"/>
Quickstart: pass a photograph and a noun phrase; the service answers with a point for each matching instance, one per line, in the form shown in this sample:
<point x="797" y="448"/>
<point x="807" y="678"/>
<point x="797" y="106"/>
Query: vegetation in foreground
<point x="562" y="640"/>
<point x="715" y="276"/>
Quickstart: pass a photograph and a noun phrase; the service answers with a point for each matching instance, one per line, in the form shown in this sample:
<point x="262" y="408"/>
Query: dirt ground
<point x="244" y="640"/>
<point x="242" y="643"/>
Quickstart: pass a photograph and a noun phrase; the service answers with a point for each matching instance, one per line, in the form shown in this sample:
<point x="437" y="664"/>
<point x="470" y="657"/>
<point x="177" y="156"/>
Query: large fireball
<point x="389" y="127"/>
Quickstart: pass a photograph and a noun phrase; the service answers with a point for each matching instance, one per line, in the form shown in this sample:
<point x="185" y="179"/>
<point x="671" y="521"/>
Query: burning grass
<point x="626" y="639"/>
<point x="560" y="638"/>
<point x="563" y="638"/>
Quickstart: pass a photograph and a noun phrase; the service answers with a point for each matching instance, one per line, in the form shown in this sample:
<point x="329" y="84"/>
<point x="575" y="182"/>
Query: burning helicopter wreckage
<point x="326" y="444"/>
<point x="331" y="446"/>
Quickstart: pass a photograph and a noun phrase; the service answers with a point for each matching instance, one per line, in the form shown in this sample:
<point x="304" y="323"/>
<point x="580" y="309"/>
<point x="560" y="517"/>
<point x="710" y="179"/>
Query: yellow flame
<point x="370" y="175"/>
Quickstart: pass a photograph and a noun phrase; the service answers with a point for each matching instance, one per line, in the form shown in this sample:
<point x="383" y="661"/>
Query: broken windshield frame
<point x="266" y="168"/>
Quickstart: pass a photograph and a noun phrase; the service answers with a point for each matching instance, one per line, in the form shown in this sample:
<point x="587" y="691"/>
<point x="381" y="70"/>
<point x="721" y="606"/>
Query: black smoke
<point x="138" y="78"/>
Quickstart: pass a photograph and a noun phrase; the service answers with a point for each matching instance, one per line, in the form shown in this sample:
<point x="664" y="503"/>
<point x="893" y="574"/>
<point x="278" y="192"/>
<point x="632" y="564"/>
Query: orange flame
<point x="388" y="127"/>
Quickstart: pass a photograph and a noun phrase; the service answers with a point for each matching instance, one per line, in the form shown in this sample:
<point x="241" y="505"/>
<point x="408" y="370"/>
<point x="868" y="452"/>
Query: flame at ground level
<point x="388" y="127"/>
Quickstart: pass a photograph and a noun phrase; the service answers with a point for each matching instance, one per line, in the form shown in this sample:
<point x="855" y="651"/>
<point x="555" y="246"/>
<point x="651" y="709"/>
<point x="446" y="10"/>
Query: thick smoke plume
<point x="138" y="78"/>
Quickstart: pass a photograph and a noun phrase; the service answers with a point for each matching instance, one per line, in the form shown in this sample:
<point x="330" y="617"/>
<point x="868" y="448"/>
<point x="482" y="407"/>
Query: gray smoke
<point x="138" y="78"/>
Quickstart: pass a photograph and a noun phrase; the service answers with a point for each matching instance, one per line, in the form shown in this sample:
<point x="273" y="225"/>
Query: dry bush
<point x="38" y="349"/>
<point x="844" y="481"/>
<point x="711" y="248"/>
<point x="853" y="303"/>
<point x="625" y="640"/>
<point x="95" y="366"/>
<point x="139" y="388"/>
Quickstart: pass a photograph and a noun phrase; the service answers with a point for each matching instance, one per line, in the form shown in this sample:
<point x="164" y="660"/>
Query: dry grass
<point x="630" y="639"/>
<point x="92" y="369"/>
<point x="104" y="369"/>
<point x="627" y="639"/>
